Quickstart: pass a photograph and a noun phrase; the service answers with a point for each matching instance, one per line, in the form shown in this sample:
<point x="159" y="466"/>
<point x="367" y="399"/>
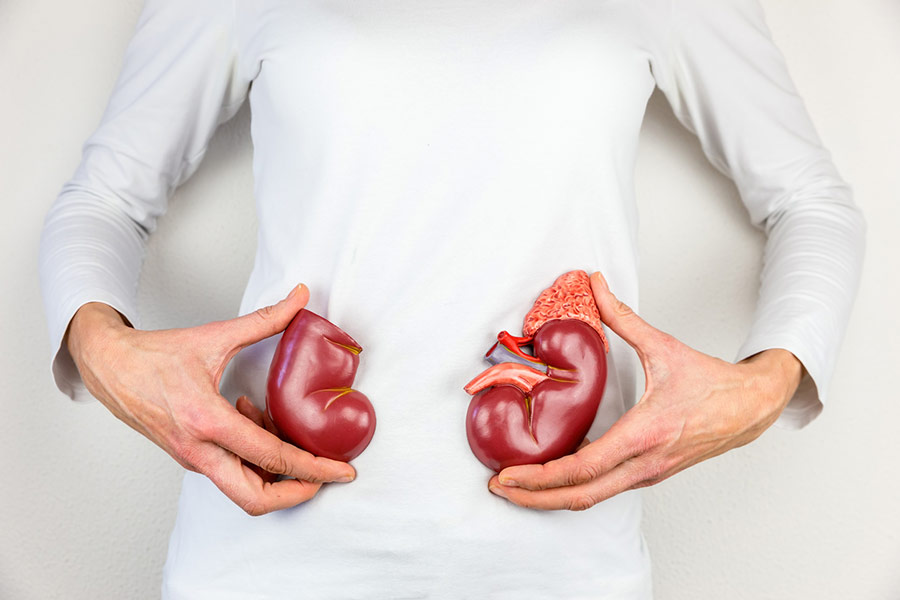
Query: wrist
<point x="91" y="323"/>
<point x="775" y="373"/>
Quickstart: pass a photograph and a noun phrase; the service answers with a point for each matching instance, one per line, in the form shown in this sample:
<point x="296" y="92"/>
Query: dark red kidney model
<point x="308" y="393"/>
<point x="529" y="409"/>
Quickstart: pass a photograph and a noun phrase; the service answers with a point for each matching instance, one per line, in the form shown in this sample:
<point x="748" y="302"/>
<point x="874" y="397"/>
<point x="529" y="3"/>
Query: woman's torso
<point x="427" y="168"/>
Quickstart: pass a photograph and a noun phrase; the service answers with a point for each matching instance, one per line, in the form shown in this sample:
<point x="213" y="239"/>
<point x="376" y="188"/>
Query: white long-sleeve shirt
<point x="398" y="145"/>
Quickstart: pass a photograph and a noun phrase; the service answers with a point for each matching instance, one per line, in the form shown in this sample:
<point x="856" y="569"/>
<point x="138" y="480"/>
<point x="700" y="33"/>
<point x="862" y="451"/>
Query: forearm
<point x="812" y="265"/>
<point x="91" y="251"/>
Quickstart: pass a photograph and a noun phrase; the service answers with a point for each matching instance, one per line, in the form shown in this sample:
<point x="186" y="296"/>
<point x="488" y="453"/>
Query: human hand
<point x="695" y="407"/>
<point x="165" y="385"/>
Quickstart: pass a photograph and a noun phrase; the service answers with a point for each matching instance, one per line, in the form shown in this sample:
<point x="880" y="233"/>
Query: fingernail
<point x="601" y="279"/>
<point x="346" y="478"/>
<point x="509" y="482"/>
<point x="295" y="290"/>
<point x="496" y="490"/>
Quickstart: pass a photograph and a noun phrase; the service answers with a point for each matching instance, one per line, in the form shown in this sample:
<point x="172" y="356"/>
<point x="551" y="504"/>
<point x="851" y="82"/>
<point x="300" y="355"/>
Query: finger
<point x="255" y="496"/>
<point x="625" y="476"/>
<point x="621" y="442"/>
<point x="639" y="334"/>
<point x="249" y="410"/>
<point x="260" y="447"/>
<point x="268" y="320"/>
<point x="583" y="443"/>
<point x="260" y="417"/>
<point x="270" y="424"/>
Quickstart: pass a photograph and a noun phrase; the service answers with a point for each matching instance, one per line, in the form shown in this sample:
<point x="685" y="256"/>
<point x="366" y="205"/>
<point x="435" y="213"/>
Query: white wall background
<point x="86" y="504"/>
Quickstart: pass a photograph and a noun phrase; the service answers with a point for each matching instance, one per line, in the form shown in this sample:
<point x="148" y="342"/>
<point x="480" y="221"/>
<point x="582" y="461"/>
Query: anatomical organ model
<point x="308" y="393"/>
<point x="532" y="408"/>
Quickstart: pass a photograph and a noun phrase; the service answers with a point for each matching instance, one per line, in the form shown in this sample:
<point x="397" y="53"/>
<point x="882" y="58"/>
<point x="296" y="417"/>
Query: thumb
<point x="267" y="321"/>
<point x="619" y="317"/>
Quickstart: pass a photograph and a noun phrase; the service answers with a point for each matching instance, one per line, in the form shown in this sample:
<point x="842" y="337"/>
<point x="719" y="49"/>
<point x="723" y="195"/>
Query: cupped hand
<point x="165" y="385"/>
<point x="695" y="407"/>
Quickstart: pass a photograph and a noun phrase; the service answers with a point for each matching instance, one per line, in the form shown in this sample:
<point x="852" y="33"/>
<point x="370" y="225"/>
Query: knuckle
<point x="650" y="438"/>
<point x="275" y="462"/>
<point x="198" y="424"/>
<point x="581" y="502"/>
<point x="582" y="472"/>
<point x="265" y="313"/>
<point x="316" y="475"/>
<point x="622" y="309"/>
<point x="667" y="433"/>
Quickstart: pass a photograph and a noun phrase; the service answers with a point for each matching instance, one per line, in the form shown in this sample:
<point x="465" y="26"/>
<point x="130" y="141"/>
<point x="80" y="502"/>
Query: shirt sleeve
<point x="180" y="78"/>
<point x="728" y="83"/>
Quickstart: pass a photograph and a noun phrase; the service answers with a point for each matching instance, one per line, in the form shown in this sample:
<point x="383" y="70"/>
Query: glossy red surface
<point x="507" y="426"/>
<point x="309" y="395"/>
<point x="532" y="408"/>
